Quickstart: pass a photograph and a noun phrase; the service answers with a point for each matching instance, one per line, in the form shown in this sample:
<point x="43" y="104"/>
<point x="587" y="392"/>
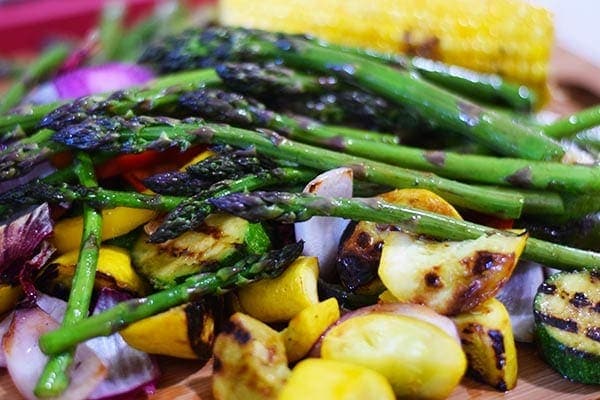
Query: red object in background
<point x="25" y="26"/>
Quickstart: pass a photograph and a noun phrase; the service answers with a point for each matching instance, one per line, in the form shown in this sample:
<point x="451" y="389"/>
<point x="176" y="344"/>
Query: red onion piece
<point x="25" y="361"/>
<point x="50" y="305"/>
<point x="86" y="81"/>
<point x="129" y="370"/>
<point x="517" y="296"/>
<point x="24" y="249"/>
<point x="322" y="235"/>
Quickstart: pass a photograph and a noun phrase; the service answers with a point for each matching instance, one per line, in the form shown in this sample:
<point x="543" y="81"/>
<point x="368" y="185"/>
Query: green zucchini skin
<point x="220" y="240"/>
<point x="567" y="324"/>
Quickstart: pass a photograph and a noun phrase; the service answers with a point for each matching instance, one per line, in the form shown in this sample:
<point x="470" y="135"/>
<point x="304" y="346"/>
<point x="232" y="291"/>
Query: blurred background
<point x="26" y="26"/>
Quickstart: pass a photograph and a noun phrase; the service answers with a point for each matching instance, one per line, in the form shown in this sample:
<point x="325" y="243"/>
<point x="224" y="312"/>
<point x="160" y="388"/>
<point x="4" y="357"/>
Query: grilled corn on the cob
<point x="508" y="37"/>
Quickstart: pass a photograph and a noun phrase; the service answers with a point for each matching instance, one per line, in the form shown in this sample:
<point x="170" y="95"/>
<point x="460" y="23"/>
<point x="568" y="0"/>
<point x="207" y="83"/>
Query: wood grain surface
<point x="572" y="87"/>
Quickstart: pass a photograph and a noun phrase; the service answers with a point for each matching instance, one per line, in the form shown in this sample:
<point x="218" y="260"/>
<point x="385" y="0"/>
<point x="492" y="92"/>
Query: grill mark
<point x="579" y="300"/>
<point x="497" y="339"/>
<point x="433" y="279"/>
<point x="593" y="333"/>
<point x="547" y="288"/>
<point x="502" y="385"/>
<point x="363" y="240"/>
<point x="559" y="323"/>
<point x="241" y="335"/>
<point x="483" y="261"/>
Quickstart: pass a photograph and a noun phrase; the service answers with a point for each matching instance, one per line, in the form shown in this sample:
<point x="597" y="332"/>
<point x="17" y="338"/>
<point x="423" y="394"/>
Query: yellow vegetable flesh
<point x="165" y="333"/>
<point x="419" y="359"/>
<point x="114" y="270"/>
<point x="9" y="296"/>
<point x="115" y="222"/>
<point x="281" y="298"/>
<point x="335" y="380"/>
<point x="305" y="329"/>
<point x="487" y="337"/>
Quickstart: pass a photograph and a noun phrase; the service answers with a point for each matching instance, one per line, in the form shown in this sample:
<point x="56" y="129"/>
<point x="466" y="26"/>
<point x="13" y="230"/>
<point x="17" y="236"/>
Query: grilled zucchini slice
<point x="567" y="324"/>
<point x="220" y="240"/>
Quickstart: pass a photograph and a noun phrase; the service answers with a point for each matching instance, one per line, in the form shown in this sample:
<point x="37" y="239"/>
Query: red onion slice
<point x="51" y="305"/>
<point x="25" y="361"/>
<point x="129" y="369"/>
<point x="322" y="235"/>
<point x="90" y="80"/>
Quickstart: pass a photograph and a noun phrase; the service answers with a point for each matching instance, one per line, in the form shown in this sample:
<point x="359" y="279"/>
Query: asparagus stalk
<point x="42" y="67"/>
<point x="145" y="99"/>
<point x="190" y="213"/>
<point x="25" y="117"/>
<point x="123" y="102"/>
<point x="54" y="379"/>
<point x="293" y="207"/>
<point x="404" y="88"/>
<point x="220" y="106"/>
<point x="39" y="191"/>
<point x="21" y="155"/>
<point x="574" y="123"/>
<point x="110" y="321"/>
<point x="141" y="134"/>
<point x="489" y="88"/>
<point x="266" y="80"/>
<point x="323" y="97"/>
<point x="542" y="175"/>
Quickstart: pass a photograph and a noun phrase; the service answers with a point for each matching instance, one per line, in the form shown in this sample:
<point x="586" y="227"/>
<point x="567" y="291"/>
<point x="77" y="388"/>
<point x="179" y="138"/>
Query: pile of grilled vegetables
<point x="317" y="220"/>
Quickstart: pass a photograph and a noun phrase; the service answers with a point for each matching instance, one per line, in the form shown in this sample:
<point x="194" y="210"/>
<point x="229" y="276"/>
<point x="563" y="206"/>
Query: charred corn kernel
<point x="419" y="359"/>
<point x="9" y="295"/>
<point x="114" y="270"/>
<point x="508" y="37"/>
<point x="316" y="378"/>
<point x="307" y="326"/>
<point x="422" y="199"/>
<point x="281" y="298"/>
<point x="165" y="333"/>
<point x="115" y="222"/>
<point x="487" y="338"/>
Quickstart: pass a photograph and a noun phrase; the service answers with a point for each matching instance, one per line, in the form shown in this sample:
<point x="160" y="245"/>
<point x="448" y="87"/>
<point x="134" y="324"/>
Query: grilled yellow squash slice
<point x="450" y="277"/>
<point x="281" y="298"/>
<point x="186" y="331"/>
<point x="305" y="329"/>
<point x="420" y="360"/>
<point x="487" y="339"/>
<point x="249" y="361"/>
<point x="316" y="378"/>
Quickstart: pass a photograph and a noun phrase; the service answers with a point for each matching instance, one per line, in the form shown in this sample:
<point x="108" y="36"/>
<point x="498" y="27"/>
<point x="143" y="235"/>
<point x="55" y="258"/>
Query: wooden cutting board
<point x="575" y="84"/>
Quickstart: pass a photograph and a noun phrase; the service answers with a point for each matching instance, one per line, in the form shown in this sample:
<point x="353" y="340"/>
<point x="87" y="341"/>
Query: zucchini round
<point x="567" y="324"/>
